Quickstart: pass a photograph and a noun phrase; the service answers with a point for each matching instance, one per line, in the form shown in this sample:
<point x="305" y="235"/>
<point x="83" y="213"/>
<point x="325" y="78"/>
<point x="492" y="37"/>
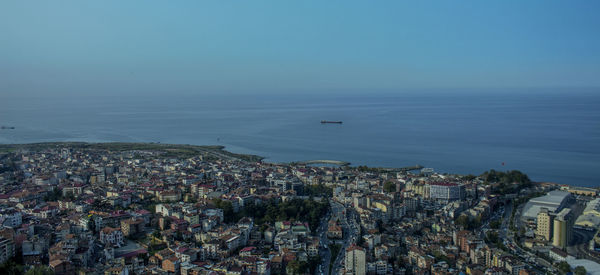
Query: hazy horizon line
<point x="323" y="92"/>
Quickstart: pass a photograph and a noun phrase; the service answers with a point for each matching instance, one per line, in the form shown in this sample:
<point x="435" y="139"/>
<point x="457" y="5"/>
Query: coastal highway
<point x="508" y="237"/>
<point x="540" y="265"/>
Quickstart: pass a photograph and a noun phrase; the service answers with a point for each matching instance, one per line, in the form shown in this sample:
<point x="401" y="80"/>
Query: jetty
<point x="323" y="161"/>
<point x="403" y="169"/>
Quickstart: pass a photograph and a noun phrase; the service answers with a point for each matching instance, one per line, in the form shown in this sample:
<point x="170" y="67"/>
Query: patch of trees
<point x="317" y="190"/>
<point x="335" y="250"/>
<point x="389" y="187"/>
<point x="469" y="177"/>
<point x="53" y="195"/>
<point x="507" y="182"/>
<point x="228" y="214"/>
<point x="565" y="268"/>
<point x="493" y="238"/>
<point x="439" y="256"/>
<point x="40" y="270"/>
<point x="301" y="267"/>
<point x="468" y="222"/>
<point x="273" y="210"/>
<point x="580" y="270"/>
<point x="364" y="168"/>
<point x="495" y="224"/>
<point x="11" y="267"/>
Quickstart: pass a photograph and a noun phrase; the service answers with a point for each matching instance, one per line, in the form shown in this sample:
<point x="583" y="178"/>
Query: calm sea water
<point x="550" y="136"/>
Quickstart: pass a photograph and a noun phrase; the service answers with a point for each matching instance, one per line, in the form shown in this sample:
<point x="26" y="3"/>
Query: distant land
<point x="177" y="150"/>
<point x="187" y="150"/>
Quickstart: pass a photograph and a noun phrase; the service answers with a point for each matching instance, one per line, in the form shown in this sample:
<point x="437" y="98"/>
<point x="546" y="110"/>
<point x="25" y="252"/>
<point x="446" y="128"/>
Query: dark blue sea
<point x="550" y="135"/>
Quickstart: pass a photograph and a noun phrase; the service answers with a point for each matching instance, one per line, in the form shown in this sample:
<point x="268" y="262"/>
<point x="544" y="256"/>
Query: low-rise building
<point x="111" y="236"/>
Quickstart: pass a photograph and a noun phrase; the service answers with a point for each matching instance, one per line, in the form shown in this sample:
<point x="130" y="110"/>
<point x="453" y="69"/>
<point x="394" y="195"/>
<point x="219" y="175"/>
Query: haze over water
<point x="551" y="136"/>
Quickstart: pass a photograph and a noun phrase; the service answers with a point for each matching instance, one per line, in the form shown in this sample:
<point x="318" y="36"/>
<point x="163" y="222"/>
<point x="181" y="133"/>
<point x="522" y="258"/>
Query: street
<point x="347" y="219"/>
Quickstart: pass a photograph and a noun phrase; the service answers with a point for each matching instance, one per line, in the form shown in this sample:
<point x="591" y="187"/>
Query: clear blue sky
<point x="147" y="47"/>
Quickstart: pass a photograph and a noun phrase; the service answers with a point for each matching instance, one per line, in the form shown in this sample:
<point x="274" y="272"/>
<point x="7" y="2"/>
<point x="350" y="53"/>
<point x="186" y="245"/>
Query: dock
<point x="323" y="161"/>
<point x="345" y="163"/>
<point x="404" y="169"/>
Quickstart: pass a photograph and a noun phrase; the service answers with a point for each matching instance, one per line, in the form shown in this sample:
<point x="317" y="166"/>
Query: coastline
<point x="181" y="150"/>
<point x="184" y="150"/>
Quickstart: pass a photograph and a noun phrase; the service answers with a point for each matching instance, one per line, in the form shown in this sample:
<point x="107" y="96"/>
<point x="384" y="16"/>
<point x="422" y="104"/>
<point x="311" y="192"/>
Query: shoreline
<point x="175" y="149"/>
<point x="183" y="150"/>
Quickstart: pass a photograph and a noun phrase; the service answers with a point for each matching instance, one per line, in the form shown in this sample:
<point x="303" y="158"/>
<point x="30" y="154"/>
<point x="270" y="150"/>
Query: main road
<point x="541" y="265"/>
<point x="324" y="251"/>
<point x="347" y="219"/>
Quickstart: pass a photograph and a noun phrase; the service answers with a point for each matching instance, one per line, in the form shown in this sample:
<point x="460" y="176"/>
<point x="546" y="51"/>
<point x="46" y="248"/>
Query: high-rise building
<point x="563" y="228"/>
<point x="355" y="262"/>
<point x="544" y="224"/>
<point x="447" y="191"/>
<point x="7" y="249"/>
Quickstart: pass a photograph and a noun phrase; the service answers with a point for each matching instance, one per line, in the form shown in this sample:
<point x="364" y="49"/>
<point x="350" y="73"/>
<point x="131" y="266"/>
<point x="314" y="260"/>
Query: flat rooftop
<point x="563" y="214"/>
<point x="554" y="201"/>
<point x="593" y="207"/>
<point x="553" y="197"/>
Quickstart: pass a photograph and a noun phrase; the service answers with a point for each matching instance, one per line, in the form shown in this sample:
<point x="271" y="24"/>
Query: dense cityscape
<point x="78" y="208"/>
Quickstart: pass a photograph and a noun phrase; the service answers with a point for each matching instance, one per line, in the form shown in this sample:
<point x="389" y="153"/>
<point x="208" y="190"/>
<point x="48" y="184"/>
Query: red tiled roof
<point x="134" y="253"/>
<point x="247" y="249"/>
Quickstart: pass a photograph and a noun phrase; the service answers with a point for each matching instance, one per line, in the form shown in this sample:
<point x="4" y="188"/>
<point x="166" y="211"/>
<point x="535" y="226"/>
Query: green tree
<point x="468" y="222"/>
<point x="491" y="237"/>
<point x="335" y="250"/>
<point x="53" y="195"/>
<point x="317" y="190"/>
<point x="296" y="267"/>
<point x="564" y="267"/>
<point x="156" y="234"/>
<point x="227" y="206"/>
<point x="495" y="224"/>
<point x="271" y="211"/>
<point x="360" y="240"/>
<point x="580" y="270"/>
<point x="469" y="177"/>
<point x="40" y="270"/>
<point x="10" y="267"/>
<point x="440" y="257"/>
<point x="507" y="182"/>
<point x="151" y="207"/>
<point x="462" y="220"/>
<point x="313" y="263"/>
<point x="92" y="224"/>
<point x="389" y="187"/>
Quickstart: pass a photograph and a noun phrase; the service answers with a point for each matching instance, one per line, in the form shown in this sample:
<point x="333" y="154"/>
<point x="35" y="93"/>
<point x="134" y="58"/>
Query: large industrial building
<point x="590" y="218"/>
<point x="554" y="201"/>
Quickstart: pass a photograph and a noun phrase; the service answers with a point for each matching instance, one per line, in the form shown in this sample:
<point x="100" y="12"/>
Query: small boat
<point x="7" y="127"/>
<point x="327" y="121"/>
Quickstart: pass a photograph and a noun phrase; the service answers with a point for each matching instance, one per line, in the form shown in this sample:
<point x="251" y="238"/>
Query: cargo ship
<point x="327" y="121"/>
